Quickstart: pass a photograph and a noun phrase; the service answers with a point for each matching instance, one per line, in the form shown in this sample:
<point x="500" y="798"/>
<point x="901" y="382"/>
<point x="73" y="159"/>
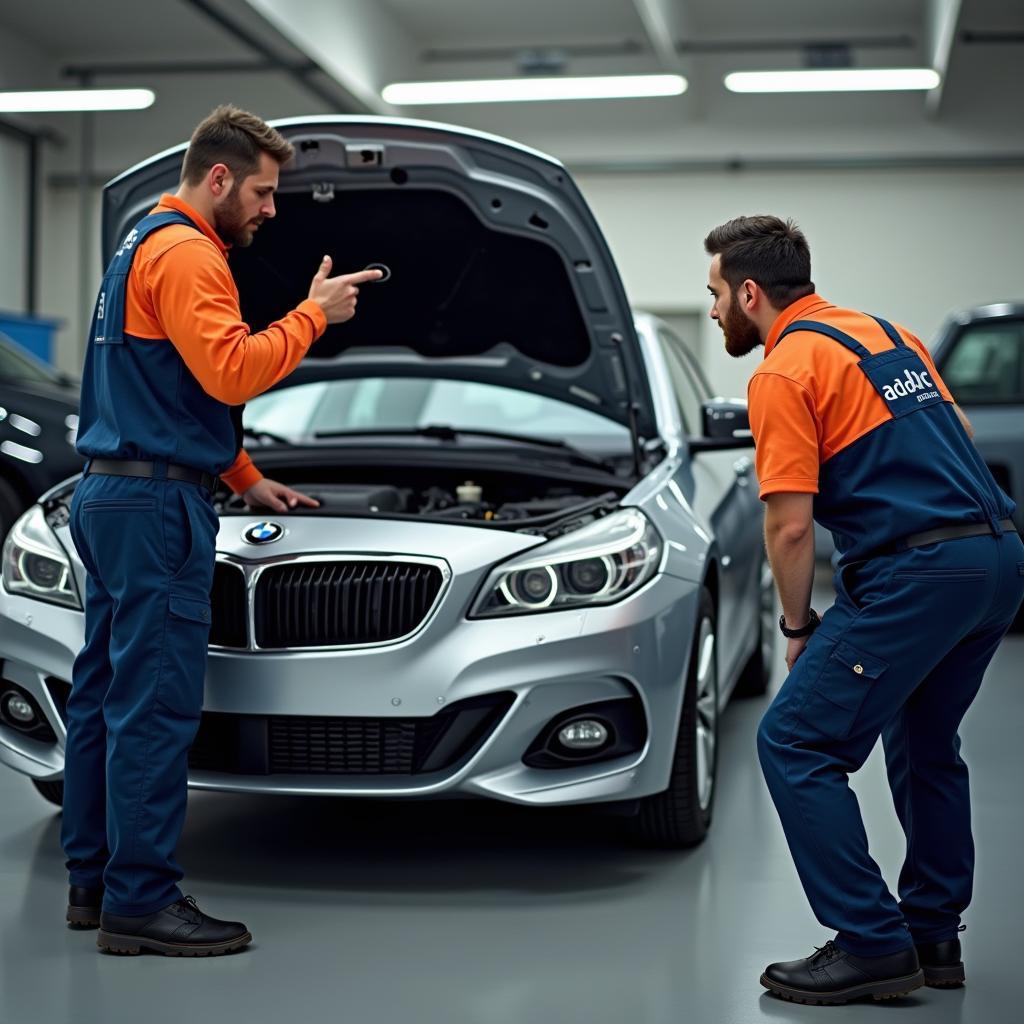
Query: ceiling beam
<point x="358" y="43"/>
<point x="941" y="21"/>
<point x="658" y="24"/>
<point x="305" y="74"/>
<point x="668" y="25"/>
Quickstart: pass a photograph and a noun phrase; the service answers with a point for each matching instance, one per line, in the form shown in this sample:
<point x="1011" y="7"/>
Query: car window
<point x="14" y="366"/>
<point x="986" y="364"/>
<point x="405" y="403"/>
<point x="688" y="388"/>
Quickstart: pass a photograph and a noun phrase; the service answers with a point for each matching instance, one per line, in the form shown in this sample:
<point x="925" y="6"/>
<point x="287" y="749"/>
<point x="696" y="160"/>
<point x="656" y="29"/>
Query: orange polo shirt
<point x="180" y="288"/>
<point x="809" y="399"/>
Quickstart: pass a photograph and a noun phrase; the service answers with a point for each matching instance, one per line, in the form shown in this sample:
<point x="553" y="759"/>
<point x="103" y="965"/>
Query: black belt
<point x="941" y="533"/>
<point x="136" y="467"/>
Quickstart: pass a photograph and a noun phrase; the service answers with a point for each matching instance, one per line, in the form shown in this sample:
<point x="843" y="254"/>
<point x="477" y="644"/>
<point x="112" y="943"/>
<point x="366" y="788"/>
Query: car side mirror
<point x="726" y="424"/>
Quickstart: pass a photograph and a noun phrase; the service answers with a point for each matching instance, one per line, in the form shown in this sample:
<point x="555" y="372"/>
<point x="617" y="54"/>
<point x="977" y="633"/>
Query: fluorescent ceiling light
<point x="50" y="100"/>
<point x="513" y="90"/>
<point x="833" y="80"/>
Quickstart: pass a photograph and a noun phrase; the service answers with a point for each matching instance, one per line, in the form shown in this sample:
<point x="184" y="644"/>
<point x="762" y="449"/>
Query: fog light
<point x="583" y="734"/>
<point x="19" y="709"/>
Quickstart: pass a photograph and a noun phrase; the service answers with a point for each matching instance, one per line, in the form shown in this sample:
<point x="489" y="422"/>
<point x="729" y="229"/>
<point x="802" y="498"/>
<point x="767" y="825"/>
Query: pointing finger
<point x="362" y="275"/>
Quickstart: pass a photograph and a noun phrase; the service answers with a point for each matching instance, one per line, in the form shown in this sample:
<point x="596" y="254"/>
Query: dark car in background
<point x="980" y="355"/>
<point x="38" y="426"/>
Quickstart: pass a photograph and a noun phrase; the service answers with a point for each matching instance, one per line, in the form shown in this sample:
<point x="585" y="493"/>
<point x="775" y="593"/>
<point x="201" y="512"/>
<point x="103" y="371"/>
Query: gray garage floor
<point x="491" y="915"/>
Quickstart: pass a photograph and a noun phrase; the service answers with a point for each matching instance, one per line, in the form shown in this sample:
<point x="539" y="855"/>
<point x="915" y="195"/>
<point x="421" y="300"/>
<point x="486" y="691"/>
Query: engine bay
<point x="480" y="501"/>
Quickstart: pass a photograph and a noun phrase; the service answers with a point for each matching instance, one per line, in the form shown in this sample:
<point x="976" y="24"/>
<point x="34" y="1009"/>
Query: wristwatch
<point x="806" y="630"/>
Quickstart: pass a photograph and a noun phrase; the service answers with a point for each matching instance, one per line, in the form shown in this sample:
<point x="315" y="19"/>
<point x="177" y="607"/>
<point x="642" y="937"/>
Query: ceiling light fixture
<point x="517" y="90"/>
<point x="833" y="80"/>
<point x="64" y="100"/>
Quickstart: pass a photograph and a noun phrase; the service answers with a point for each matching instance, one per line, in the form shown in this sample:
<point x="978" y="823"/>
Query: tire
<point x="681" y="815"/>
<point x="52" y="791"/>
<point x="756" y="676"/>
<point x="11" y="506"/>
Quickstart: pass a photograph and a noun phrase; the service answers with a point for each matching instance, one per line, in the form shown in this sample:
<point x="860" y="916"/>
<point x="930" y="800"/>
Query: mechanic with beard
<point x="168" y="358"/>
<point x="854" y="428"/>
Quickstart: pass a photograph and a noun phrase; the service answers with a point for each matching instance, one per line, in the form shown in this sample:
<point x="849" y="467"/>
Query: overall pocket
<point x="184" y="667"/>
<point x="941" y="575"/>
<point x="835" y="698"/>
<point x="189" y="539"/>
<point x="118" y="505"/>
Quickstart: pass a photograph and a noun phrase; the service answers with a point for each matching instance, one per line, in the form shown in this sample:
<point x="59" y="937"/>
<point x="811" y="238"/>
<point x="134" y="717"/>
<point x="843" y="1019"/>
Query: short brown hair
<point x="234" y="137"/>
<point x="767" y="250"/>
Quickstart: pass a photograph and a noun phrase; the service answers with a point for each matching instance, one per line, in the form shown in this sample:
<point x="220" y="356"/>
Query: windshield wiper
<point x="264" y="435"/>
<point x="446" y="433"/>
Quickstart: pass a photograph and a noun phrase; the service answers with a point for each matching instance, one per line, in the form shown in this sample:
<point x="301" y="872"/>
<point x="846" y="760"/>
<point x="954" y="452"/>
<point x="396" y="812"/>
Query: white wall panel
<point x="907" y="245"/>
<point x="13" y="193"/>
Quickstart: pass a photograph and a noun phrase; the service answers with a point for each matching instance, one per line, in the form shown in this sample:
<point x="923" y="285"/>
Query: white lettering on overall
<point x="912" y="382"/>
<point x="128" y="242"/>
<point x="102" y="303"/>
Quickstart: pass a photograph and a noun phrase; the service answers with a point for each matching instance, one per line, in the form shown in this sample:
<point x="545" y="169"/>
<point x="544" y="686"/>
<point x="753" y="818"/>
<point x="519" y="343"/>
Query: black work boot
<point x="84" y="907"/>
<point x="942" y="963"/>
<point x="180" y="929"/>
<point x="832" y="976"/>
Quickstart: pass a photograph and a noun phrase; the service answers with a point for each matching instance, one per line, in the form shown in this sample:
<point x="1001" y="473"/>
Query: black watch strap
<point x="806" y="630"/>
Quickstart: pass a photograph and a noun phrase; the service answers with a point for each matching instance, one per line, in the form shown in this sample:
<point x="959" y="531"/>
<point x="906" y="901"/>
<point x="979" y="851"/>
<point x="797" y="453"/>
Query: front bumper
<point x="547" y="663"/>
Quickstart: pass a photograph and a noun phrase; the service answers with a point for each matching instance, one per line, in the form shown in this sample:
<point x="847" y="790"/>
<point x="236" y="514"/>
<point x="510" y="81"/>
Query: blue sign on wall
<point x="34" y="333"/>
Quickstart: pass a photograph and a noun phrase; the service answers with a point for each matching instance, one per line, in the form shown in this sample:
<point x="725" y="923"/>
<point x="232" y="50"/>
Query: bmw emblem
<point x="263" y="533"/>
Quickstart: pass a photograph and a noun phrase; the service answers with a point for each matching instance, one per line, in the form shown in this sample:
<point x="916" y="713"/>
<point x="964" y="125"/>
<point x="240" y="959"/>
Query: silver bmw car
<point x="536" y="572"/>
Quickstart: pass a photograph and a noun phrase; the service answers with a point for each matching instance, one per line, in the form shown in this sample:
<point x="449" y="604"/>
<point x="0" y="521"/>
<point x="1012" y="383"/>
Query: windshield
<point x="16" y="365"/>
<point x="986" y="365"/>
<point x="412" y="403"/>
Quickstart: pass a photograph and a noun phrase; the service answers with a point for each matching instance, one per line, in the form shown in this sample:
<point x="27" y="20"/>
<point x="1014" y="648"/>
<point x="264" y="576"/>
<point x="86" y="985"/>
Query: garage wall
<point x="910" y="245"/>
<point x="13" y="189"/>
<point x="21" y="66"/>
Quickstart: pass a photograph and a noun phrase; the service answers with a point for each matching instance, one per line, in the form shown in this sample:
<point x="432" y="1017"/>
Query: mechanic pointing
<point x="855" y="428"/>
<point x="168" y="358"/>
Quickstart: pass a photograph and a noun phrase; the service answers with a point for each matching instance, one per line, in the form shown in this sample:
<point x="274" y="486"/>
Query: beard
<point x="741" y="333"/>
<point x="230" y="223"/>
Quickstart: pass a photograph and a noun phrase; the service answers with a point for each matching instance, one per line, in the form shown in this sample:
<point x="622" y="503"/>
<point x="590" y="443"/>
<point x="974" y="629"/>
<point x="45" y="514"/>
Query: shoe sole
<point x="944" y="977"/>
<point x="133" y="945"/>
<point x="891" y="988"/>
<point x="82" y="917"/>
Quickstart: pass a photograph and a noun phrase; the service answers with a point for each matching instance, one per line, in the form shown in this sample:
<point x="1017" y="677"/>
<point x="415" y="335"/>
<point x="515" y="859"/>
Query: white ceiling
<point x="360" y="45"/>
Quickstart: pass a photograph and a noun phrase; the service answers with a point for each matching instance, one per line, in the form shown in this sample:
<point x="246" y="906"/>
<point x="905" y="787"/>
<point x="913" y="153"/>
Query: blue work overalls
<point x="900" y="654"/>
<point x="148" y="547"/>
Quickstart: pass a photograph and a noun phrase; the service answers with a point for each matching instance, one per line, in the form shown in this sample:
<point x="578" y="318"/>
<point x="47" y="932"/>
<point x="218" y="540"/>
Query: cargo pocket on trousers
<point x="184" y="668"/>
<point x="836" y="697"/>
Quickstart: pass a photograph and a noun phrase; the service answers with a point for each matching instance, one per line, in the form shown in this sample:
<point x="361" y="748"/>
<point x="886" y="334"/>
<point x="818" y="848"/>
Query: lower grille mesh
<point x="342" y="746"/>
<point x="307" y="745"/>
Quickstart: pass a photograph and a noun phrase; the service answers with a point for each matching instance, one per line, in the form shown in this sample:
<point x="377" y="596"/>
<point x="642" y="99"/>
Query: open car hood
<point x="500" y="273"/>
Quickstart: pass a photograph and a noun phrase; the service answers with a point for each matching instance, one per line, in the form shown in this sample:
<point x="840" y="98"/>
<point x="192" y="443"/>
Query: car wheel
<point x="11" y="506"/>
<point x="756" y="676"/>
<point x="52" y="791"/>
<point x="681" y="815"/>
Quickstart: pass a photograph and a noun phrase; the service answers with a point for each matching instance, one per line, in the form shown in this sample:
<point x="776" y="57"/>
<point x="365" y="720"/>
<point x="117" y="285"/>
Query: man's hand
<point x="794" y="648"/>
<point x="337" y="296"/>
<point x="277" y="497"/>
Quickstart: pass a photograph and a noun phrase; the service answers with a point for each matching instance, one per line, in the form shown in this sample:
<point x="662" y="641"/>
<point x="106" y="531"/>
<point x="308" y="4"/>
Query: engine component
<point x="469" y="493"/>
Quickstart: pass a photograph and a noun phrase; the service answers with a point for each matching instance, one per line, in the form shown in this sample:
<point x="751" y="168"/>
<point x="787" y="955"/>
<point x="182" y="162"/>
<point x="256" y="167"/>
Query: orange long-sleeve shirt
<point x="180" y="288"/>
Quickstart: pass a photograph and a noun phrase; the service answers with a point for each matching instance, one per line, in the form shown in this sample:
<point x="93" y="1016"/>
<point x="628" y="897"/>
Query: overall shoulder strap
<point x="894" y="335"/>
<point x="108" y="316"/>
<point x="829" y="331"/>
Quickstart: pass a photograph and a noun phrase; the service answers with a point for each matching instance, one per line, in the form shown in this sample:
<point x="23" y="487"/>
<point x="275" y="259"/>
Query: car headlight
<point x="35" y="565"/>
<point x="601" y="563"/>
